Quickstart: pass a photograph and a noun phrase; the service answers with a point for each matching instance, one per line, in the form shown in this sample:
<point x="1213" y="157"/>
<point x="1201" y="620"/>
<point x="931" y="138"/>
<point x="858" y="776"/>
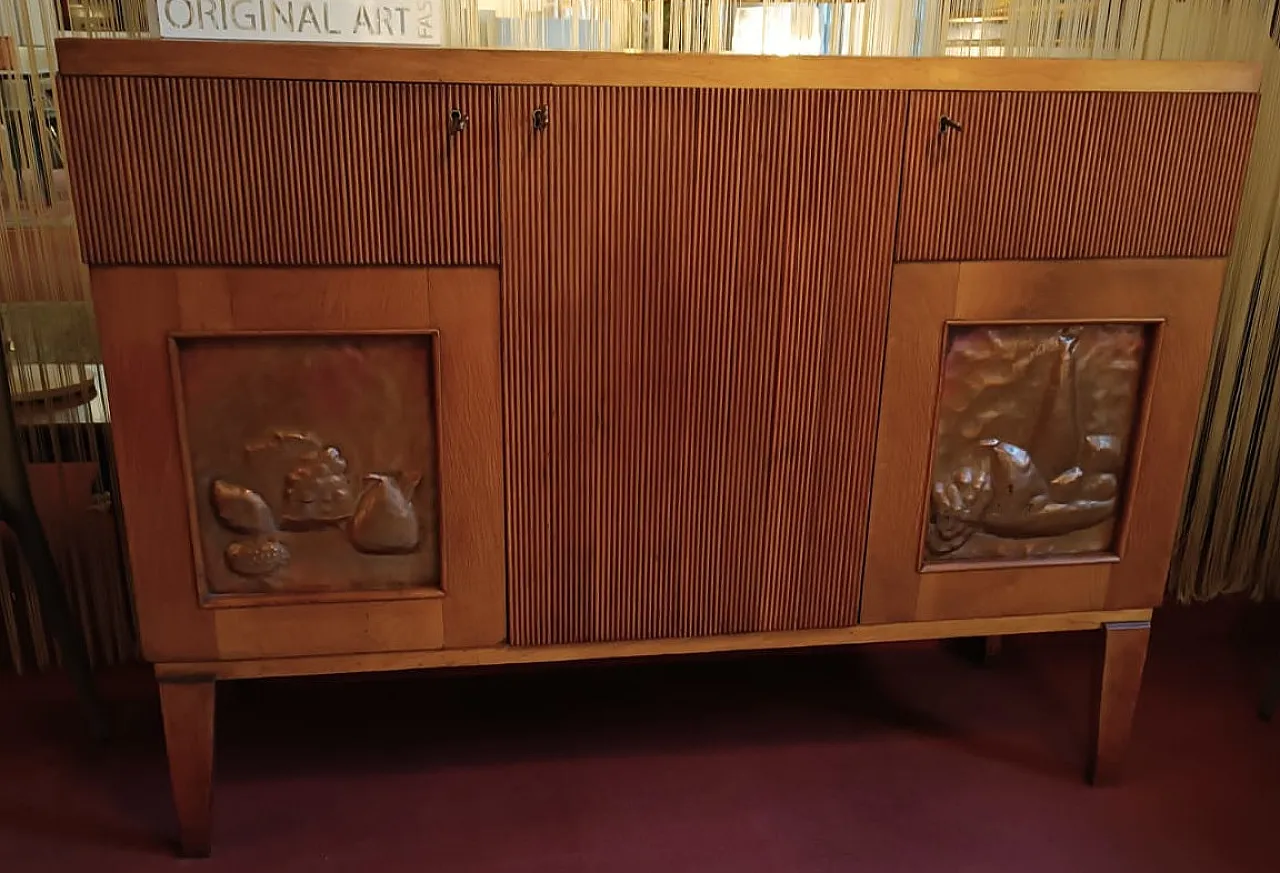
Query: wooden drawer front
<point x="256" y="172"/>
<point x="1079" y="175"/>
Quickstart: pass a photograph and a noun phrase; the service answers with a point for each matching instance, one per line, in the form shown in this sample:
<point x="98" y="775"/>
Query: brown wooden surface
<point x="1073" y="175"/>
<point x="1179" y="297"/>
<point x="187" y="705"/>
<point x="856" y="635"/>
<point x="691" y="368"/>
<point x="138" y="310"/>
<point x="260" y="180"/>
<point x="398" y="64"/>
<point x="135" y="311"/>
<point x="992" y="647"/>
<point x="201" y="171"/>
<point x="273" y="631"/>
<point x="1117" y="682"/>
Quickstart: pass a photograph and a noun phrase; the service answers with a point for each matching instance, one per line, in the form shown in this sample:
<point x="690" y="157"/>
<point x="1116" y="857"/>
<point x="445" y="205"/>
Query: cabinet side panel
<point x="1072" y="175"/>
<point x="136" y="311"/>
<point x="173" y="171"/>
<point x="695" y="298"/>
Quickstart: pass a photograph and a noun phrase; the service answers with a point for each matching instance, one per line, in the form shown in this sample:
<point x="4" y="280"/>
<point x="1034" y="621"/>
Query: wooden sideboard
<point x="426" y="358"/>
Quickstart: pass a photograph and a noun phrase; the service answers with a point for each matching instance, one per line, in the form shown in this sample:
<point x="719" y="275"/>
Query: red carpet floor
<point x="885" y="759"/>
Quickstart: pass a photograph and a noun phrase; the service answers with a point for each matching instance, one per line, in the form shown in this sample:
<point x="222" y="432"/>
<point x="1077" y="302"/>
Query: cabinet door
<point x="309" y="459"/>
<point x="695" y="292"/>
<point x="1034" y="435"/>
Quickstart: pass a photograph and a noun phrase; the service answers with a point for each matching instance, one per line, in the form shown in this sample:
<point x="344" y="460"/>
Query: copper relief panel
<point x="1033" y="438"/>
<point x="313" y="461"/>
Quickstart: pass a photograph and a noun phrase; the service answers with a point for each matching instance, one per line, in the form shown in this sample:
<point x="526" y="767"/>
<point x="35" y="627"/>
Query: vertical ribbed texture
<point x="695" y="296"/>
<point x="242" y="171"/>
<point x="1073" y="175"/>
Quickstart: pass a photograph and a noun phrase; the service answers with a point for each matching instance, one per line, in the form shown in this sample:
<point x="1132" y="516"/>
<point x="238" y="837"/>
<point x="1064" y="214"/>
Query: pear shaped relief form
<point x="385" y="521"/>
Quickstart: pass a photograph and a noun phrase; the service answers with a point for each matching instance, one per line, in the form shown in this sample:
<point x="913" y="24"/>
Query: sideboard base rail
<point x="187" y="689"/>
<point x="260" y="668"/>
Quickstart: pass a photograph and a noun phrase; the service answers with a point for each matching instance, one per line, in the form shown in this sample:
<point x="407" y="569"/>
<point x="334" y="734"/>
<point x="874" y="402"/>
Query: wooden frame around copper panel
<point x="140" y="308"/>
<point x="212" y="600"/>
<point x="1181" y="296"/>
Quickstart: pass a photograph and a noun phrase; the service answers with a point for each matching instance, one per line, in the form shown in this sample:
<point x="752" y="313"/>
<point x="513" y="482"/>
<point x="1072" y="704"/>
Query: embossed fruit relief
<point x="1035" y="425"/>
<point x="313" y="460"/>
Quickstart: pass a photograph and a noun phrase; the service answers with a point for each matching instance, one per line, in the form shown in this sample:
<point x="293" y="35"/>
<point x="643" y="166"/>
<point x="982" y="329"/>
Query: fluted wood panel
<point x="1072" y="175"/>
<point x="266" y="172"/>
<point x="695" y="297"/>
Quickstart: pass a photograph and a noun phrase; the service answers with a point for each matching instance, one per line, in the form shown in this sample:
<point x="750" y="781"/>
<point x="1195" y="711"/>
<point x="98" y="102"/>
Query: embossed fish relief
<point x="1022" y="503"/>
<point x="1004" y="491"/>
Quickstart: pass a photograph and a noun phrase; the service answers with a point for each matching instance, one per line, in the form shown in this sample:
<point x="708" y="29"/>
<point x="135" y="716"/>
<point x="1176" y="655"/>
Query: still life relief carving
<point x="347" y="500"/>
<point x="317" y="494"/>
<point x="1034" y="430"/>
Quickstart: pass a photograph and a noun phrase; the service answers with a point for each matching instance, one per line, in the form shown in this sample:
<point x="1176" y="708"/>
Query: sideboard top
<point x="256" y="60"/>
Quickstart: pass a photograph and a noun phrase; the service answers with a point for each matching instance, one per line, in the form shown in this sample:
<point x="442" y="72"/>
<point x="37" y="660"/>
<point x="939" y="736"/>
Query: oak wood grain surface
<point x="1178" y="298"/>
<point x="1116" y="685"/>
<point x="187" y="706"/>
<point x="856" y="635"/>
<point x="179" y="617"/>
<point x="194" y="58"/>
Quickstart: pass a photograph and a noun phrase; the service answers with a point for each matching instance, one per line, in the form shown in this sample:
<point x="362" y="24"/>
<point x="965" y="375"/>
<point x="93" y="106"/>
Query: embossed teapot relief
<point x="385" y="521"/>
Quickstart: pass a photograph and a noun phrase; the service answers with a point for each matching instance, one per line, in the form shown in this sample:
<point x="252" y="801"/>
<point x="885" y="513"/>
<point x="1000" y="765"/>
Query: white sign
<point x="411" y="22"/>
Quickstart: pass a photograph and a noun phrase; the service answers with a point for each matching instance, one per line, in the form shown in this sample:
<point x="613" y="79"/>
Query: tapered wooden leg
<point x="982" y="651"/>
<point x="188" y="704"/>
<point x="992" y="646"/>
<point x="1271" y="693"/>
<point x="1119" y="677"/>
